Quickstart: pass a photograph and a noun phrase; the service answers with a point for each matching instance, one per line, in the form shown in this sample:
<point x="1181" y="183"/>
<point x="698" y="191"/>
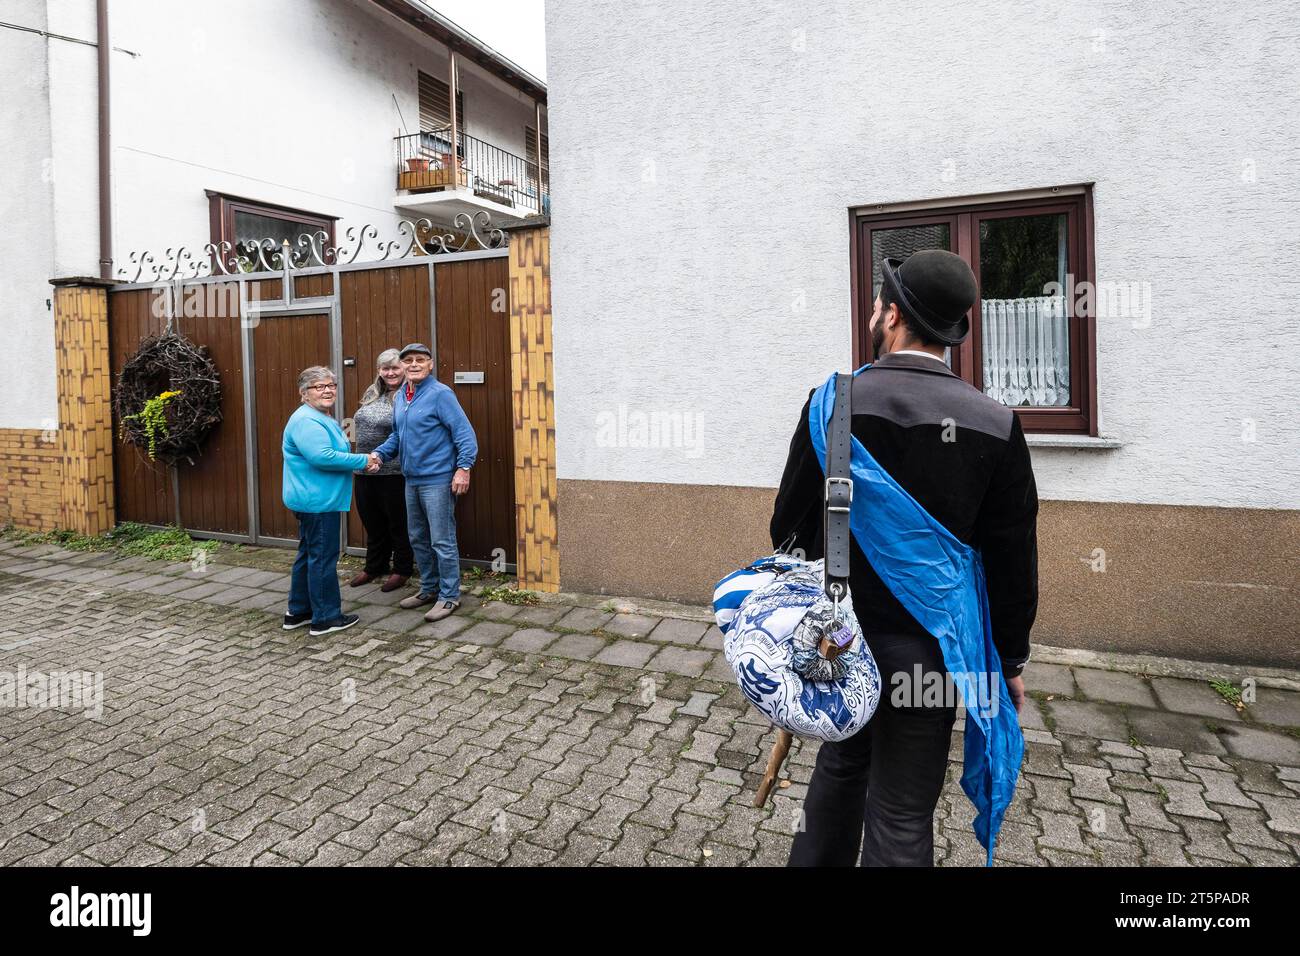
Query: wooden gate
<point x="283" y="345"/>
<point x="262" y="329"/>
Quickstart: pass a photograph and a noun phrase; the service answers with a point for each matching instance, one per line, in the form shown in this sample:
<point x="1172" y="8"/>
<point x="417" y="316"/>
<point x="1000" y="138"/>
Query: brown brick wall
<point x="29" y="493"/>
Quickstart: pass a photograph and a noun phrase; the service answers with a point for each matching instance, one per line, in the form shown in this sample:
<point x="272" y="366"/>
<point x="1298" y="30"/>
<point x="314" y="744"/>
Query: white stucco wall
<point x="285" y="103"/>
<point x="704" y="164"/>
<point x="47" y="195"/>
<point x="289" y="103"/>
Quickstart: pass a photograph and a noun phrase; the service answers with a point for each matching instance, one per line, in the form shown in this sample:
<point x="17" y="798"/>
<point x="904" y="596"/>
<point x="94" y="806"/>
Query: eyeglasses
<point x="326" y="387"/>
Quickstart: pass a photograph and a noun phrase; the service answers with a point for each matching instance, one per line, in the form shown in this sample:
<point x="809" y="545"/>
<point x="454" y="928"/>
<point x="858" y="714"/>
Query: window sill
<point x="1072" y="441"/>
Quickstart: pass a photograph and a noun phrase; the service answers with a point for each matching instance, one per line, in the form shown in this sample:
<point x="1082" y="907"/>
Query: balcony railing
<point x="424" y="163"/>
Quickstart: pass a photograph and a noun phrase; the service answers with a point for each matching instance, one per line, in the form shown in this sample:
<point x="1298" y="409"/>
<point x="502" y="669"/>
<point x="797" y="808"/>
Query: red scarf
<point x="410" y="391"/>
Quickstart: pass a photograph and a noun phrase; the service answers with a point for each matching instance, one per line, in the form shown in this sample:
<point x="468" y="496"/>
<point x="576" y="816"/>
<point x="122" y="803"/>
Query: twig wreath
<point x="168" y="398"/>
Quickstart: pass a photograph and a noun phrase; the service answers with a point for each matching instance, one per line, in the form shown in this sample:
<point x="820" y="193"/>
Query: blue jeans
<point x="431" y="526"/>
<point x="314" y="587"/>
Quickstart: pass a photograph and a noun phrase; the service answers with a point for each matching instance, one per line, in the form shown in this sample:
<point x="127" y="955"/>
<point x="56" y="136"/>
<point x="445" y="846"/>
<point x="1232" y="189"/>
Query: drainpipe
<point x="103" y="51"/>
<point x="452" y="85"/>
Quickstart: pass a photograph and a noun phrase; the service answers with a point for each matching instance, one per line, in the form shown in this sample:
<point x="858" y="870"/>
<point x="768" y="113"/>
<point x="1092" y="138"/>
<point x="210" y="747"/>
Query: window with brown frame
<point x="244" y="223"/>
<point x="1029" y="347"/>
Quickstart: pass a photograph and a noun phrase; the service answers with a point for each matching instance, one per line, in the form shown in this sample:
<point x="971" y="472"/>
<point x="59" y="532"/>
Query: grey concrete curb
<point x="628" y="605"/>
<point x="1164" y="666"/>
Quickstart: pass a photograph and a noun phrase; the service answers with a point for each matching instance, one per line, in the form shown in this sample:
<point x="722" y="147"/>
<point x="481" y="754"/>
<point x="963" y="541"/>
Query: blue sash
<point x="940" y="581"/>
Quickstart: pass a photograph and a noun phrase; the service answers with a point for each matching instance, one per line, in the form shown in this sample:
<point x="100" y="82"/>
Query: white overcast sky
<point x="514" y="28"/>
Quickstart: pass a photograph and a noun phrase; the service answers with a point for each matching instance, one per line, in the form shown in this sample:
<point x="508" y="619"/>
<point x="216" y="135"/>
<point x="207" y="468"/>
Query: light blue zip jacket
<point x="318" y="463"/>
<point x="431" y="435"/>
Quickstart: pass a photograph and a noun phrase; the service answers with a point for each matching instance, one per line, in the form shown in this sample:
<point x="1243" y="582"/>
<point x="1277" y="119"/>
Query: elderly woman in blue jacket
<point x="436" y="445"/>
<point x="318" y="467"/>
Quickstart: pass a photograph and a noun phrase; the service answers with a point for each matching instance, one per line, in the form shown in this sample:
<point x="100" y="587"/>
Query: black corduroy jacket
<point x="963" y="457"/>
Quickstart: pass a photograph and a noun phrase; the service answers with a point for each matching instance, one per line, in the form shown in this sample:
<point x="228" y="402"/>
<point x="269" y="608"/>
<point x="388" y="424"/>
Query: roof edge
<point x="429" y="21"/>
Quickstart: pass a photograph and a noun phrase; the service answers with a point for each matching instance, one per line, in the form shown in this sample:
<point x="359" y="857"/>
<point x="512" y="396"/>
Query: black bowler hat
<point x="936" y="289"/>
<point x="415" y="347"/>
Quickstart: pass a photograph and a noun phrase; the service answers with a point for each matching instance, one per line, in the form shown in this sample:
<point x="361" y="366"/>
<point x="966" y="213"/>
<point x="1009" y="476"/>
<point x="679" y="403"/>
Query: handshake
<point x="373" y="464"/>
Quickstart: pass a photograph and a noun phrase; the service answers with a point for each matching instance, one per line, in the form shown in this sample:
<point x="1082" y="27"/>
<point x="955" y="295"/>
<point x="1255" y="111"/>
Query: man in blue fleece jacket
<point x="436" y="446"/>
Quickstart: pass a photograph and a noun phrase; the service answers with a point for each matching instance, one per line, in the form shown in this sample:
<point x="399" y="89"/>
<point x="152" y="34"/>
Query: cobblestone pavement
<point x="531" y="735"/>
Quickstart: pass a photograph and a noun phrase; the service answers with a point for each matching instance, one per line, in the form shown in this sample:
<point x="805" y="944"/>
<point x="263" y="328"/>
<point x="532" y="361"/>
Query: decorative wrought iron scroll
<point x="421" y="237"/>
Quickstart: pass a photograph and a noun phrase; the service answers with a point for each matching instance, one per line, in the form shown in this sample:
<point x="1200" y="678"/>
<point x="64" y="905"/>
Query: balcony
<point x="481" y="178"/>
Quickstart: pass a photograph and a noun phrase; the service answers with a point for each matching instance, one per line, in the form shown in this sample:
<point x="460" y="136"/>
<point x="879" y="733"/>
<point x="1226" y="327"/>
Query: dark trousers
<point x="381" y="502"/>
<point x="879" y="788"/>
<point x="314" y="583"/>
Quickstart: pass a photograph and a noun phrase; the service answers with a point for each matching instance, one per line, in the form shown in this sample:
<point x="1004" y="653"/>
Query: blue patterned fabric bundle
<point x="772" y="615"/>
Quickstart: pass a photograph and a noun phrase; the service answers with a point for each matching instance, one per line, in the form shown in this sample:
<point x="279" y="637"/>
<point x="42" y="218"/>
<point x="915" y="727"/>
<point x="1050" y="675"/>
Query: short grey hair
<point x="313" y="374"/>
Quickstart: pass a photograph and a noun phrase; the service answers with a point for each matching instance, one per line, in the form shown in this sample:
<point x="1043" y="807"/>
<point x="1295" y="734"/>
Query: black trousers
<point x="381" y="502"/>
<point x="879" y="788"/>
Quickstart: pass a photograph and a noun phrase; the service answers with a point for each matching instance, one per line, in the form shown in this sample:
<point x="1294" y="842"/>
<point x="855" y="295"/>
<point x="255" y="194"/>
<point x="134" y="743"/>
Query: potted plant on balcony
<point x="417" y="165"/>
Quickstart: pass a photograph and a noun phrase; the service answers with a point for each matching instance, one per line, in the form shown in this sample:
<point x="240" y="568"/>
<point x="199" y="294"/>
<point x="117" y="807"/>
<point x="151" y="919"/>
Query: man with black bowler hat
<point x="962" y="456"/>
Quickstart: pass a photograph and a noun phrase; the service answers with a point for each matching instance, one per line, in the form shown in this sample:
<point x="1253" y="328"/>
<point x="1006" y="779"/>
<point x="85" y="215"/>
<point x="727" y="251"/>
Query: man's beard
<point x="877" y="337"/>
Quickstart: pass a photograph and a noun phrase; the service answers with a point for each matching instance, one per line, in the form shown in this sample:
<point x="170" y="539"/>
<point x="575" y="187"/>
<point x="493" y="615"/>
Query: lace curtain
<point x="1026" y="351"/>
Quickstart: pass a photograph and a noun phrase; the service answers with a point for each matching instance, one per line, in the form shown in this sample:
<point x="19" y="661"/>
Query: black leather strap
<point x="838" y="491"/>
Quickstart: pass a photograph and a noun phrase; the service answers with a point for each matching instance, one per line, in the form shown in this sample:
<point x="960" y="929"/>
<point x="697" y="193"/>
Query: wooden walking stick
<point x="779" y="750"/>
<point x="829" y="650"/>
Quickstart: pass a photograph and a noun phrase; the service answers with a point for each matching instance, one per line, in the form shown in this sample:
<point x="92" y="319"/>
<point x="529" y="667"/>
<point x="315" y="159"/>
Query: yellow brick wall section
<point x="538" y="551"/>
<point x="85" y="433"/>
<point x="29" y="494"/>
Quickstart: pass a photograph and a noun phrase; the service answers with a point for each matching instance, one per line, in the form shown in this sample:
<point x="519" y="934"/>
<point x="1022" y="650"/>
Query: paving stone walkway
<point x="562" y="733"/>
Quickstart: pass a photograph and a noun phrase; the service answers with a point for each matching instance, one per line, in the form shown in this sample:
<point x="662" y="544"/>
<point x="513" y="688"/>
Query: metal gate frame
<point x="169" y="278"/>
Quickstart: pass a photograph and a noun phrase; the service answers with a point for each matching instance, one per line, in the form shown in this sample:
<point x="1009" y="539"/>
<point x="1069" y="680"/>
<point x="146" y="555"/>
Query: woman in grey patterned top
<point x="381" y="495"/>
